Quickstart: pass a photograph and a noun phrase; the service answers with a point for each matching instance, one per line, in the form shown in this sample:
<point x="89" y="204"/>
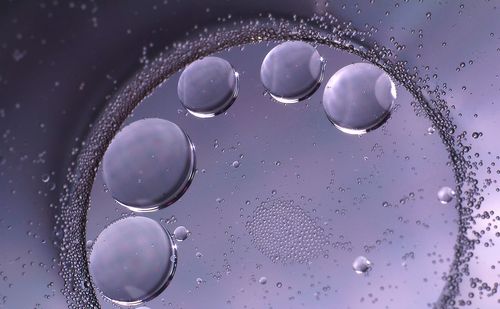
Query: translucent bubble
<point x="262" y="280"/>
<point x="89" y="244"/>
<point x="133" y="260"/>
<point x="358" y="98"/>
<point x="181" y="233"/>
<point x="361" y="265"/>
<point x="208" y="87"/>
<point x="445" y="195"/>
<point x="149" y="164"/>
<point x="292" y="71"/>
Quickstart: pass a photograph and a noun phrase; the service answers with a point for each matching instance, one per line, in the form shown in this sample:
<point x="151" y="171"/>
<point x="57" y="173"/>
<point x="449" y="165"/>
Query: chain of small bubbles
<point x="324" y="29"/>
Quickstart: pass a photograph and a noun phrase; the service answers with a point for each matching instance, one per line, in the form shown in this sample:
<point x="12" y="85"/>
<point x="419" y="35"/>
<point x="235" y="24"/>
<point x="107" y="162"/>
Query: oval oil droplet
<point x="133" y="260"/>
<point x="292" y="71"/>
<point x="359" y="98"/>
<point x="149" y="165"/>
<point x="208" y="87"/>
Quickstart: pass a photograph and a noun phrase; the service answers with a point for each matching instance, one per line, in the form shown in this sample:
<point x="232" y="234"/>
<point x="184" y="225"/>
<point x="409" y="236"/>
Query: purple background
<point x="59" y="63"/>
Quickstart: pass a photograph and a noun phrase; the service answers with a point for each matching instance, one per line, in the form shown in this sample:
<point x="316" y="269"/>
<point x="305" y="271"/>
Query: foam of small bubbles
<point x="293" y="236"/>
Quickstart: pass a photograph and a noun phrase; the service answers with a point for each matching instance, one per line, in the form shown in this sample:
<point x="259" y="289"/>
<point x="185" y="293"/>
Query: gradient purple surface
<point x="50" y="94"/>
<point x="340" y="180"/>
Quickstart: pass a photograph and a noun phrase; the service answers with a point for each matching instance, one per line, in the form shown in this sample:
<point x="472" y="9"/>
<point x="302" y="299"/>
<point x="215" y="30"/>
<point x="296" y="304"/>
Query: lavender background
<point x="59" y="63"/>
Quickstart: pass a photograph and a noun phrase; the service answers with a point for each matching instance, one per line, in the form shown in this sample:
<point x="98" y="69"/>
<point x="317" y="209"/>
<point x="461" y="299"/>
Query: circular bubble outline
<point x="166" y="280"/>
<point x="224" y="107"/>
<point x="76" y="197"/>
<point x="183" y="187"/>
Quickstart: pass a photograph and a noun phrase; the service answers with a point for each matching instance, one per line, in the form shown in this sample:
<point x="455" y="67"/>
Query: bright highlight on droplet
<point x="445" y="195"/>
<point x="149" y="164"/>
<point x="361" y="265"/>
<point x="359" y="98"/>
<point x="133" y="260"/>
<point x="208" y="87"/>
<point x="292" y="71"/>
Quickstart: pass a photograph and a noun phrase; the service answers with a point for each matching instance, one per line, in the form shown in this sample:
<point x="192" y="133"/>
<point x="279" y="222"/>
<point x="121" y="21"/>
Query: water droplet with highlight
<point x="181" y="233"/>
<point x="131" y="260"/>
<point x="445" y="195"/>
<point x="358" y="98"/>
<point x="208" y="87"/>
<point x="149" y="164"/>
<point x="361" y="265"/>
<point x="89" y="244"/>
<point x="292" y="71"/>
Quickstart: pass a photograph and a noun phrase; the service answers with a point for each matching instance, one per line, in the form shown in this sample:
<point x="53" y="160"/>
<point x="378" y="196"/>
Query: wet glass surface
<point x="284" y="210"/>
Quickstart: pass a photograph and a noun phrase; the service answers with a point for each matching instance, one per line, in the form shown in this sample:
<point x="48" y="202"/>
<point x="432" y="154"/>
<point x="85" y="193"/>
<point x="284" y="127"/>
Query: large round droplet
<point x="149" y="164"/>
<point x="361" y="265"/>
<point x="445" y="195"/>
<point x="292" y="71"/>
<point x="207" y="87"/>
<point x="358" y="98"/>
<point x="133" y="260"/>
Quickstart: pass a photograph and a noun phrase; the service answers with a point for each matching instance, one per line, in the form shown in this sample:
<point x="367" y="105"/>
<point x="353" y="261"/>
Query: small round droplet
<point x="131" y="260"/>
<point x="358" y="98"/>
<point x="45" y="178"/>
<point x="89" y="244"/>
<point x="149" y="165"/>
<point x="361" y="265"/>
<point x="262" y="280"/>
<point x="208" y="87"/>
<point x="181" y="233"/>
<point x="445" y="195"/>
<point x="292" y="71"/>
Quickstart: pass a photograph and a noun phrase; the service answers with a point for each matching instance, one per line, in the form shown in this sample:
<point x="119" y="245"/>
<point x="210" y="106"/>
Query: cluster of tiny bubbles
<point x="285" y="233"/>
<point x="133" y="260"/>
<point x="208" y="87"/>
<point x="181" y="233"/>
<point x="292" y="71"/>
<point x="149" y="164"/>
<point x="361" y="265"/>
<point x="359" y="98"/>
<point x="445" y="195"/>
<point x="322" y="29"/>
